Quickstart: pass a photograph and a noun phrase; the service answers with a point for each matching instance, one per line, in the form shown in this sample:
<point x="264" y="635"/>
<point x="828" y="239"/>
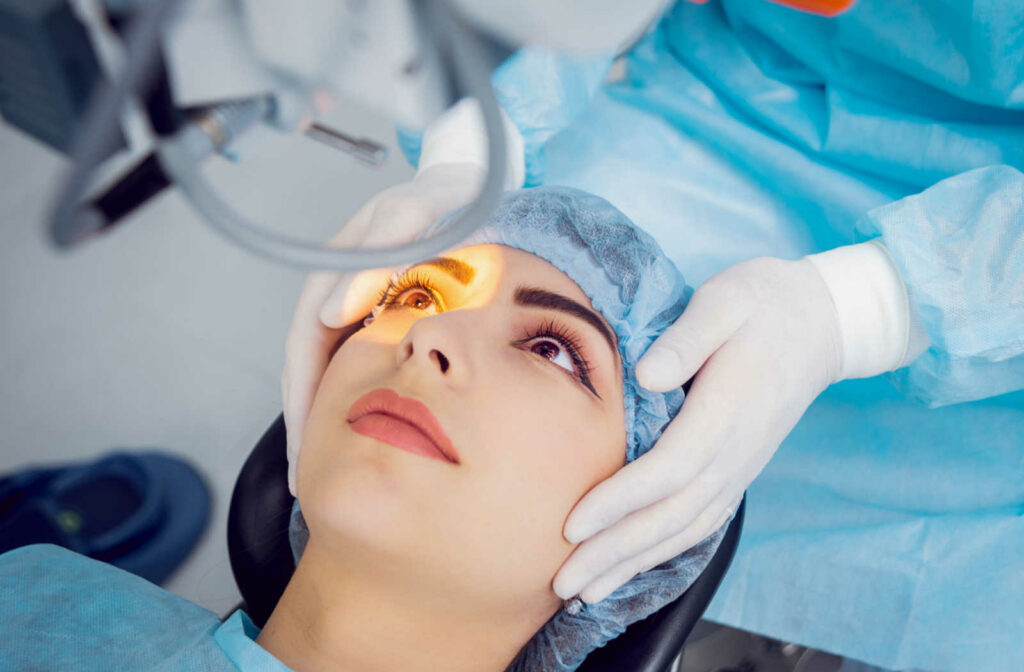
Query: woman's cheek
<point x="565" y="425"/>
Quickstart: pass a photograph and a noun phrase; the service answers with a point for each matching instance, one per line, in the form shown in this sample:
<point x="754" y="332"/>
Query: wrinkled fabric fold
<point x="960" y="247"/>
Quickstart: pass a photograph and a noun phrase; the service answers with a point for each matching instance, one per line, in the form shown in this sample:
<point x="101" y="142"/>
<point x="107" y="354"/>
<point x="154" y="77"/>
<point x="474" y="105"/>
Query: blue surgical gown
<point x="889" y="527"/>
<point x="63" y="611"/>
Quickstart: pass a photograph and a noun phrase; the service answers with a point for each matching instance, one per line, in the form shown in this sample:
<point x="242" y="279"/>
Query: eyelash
<point x="549" y="329"/>
<point x="406" y="281"/>
<point x="568" y="340"/>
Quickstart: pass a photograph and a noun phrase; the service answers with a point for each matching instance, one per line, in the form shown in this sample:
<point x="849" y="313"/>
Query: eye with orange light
<point x="411" y="290"/>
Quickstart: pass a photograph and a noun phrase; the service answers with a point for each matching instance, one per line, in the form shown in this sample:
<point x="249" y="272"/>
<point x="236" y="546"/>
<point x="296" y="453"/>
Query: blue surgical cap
<point x="640" y="292"/>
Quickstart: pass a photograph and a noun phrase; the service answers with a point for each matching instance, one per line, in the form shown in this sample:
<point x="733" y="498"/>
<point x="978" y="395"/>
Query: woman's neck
<point x="358" y="615"/>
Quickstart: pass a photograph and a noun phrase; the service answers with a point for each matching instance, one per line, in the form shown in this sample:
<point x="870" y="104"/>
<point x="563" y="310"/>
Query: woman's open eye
<point x="561" y="347"/>
<point x="411" y="290"/>
<point x="553" y="351"/>
<point x="415" y="297"/>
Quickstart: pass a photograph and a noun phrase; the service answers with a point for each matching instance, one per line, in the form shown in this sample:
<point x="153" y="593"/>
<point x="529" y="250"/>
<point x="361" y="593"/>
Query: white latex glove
<point x="453" y="165"/>
<point x="764" y="338"/>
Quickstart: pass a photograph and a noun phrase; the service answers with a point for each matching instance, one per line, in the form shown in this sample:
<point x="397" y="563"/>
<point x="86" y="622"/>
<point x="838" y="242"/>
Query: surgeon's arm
<point x="959" y="247"/>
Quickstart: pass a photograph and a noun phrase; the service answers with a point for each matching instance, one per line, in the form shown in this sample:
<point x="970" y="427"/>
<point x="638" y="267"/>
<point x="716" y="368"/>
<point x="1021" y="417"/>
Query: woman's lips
<point x="404" y="423"/>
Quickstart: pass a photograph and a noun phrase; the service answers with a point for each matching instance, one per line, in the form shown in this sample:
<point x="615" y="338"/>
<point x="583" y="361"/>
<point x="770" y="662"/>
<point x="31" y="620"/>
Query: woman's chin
<point x="369" y="505"/>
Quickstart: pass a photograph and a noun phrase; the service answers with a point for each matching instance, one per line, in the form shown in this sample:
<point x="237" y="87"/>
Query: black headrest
<point x="261" y="560"/>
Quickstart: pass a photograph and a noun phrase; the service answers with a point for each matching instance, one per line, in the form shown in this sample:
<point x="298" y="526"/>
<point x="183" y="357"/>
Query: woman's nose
<point x="435" y="343"/>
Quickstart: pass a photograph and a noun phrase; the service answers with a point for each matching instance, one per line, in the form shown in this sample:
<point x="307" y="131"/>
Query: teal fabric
<point x="883" y="530"/>
<point x="890" y="533"/>
<point x="237" y="639"/>
<point x="558" y="91"/>
<point x="546" y="104"/>
<point x="63" y="611"/>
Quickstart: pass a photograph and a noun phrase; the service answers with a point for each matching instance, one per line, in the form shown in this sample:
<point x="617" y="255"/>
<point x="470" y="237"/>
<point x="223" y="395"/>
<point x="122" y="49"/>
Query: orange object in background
<point x="823" y="7"/>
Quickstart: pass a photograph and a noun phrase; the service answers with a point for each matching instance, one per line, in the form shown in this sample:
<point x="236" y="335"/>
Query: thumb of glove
<point x="710" y="319"/>
<point x="660" y="369"/>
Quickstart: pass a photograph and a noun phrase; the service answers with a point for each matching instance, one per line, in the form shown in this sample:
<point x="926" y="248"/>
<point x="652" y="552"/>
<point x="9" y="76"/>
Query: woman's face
<point x="521" y="375"/>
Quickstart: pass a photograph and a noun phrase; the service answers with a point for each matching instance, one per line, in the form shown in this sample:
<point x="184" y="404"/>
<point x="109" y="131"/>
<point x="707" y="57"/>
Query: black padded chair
<point x="261" y="560"/>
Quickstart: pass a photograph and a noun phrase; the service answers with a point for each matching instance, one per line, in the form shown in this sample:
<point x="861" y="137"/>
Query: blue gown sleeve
<point x="960" y="248"/>
<point x="542" y="92"/>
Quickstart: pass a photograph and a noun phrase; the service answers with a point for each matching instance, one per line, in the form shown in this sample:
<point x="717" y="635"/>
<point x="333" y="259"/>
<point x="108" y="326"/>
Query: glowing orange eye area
<point x="411" y="291"/>
<point x="420" y="299"/>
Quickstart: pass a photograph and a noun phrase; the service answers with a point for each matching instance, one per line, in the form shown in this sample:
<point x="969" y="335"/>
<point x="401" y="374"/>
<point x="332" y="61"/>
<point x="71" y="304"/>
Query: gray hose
<point x="468" y="58"/>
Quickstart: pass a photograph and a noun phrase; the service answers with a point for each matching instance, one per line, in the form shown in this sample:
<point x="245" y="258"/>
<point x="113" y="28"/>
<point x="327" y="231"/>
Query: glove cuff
<point x="878" y="322"/>
<point x="459" y="136"/>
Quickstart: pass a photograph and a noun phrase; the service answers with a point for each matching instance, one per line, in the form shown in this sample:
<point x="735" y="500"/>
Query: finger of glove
<point x="719" y="433"/>
<point x="301" y="377"/>
<point x="293" y="466"/>
<point x="299" y="383"/>
<point x="306" y="336"/>
<point x="353" y="234"/>
<point x="642" y="530"/>
<point x="689" y="444"/>
<point x="748" y="403"/>
<point x="306" y="332"/>
<point x="306" y="350"/>
<point x="616" y="577"/>
<point x="709" y="320"/>
<point x="697" y="457"/>
<point x="354" y="295"/>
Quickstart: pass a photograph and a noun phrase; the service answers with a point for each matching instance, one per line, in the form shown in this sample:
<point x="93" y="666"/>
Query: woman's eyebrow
<point x="541" y="298"/>
<point x="460" y="270"/>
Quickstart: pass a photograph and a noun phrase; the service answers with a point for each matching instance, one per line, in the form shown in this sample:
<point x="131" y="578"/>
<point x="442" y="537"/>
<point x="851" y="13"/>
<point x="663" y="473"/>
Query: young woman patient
<point x="450" y="438"/>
